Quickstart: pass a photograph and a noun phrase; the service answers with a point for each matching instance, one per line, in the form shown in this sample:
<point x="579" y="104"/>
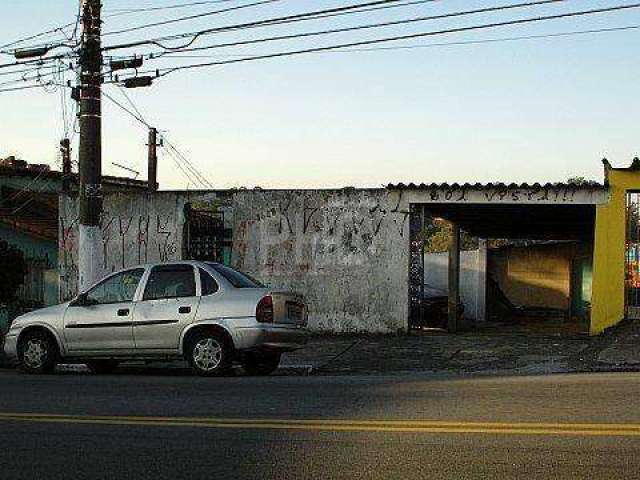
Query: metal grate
<point x="206" y="236"/>
<point x="632" y="256"/>
<point x="416" y="265"/>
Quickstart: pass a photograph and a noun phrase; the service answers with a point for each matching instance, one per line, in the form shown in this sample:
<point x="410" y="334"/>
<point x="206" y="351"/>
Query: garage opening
<point x="522" y="263"/>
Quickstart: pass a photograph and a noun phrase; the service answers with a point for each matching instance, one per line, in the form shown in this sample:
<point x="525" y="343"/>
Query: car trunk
<point x="289" y="308"/>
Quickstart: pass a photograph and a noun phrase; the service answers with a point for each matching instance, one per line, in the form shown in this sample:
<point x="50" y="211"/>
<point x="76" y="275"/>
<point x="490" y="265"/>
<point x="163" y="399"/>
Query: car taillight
<point x="264" y="310"/>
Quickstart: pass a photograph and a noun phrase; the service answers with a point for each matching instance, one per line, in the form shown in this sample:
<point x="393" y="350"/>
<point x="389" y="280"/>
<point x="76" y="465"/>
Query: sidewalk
<point x="508" y="350"/>
<point x="463" y="353"/>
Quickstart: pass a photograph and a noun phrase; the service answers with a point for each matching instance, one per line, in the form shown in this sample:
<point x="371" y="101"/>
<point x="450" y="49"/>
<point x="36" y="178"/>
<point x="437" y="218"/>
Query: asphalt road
<point x="167" y="426"/>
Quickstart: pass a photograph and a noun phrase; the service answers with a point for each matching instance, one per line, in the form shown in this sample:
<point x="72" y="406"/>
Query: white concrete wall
<point x="346" y="250"/>
<point x="472" y="278"/>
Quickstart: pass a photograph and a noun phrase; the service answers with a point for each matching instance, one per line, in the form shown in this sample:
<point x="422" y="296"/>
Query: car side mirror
<point x="80" y="301"/>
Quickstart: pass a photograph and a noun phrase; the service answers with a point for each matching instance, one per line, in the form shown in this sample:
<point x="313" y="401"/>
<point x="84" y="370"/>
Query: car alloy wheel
<point x="37" y="353"/>
<point x="207" y="354"/>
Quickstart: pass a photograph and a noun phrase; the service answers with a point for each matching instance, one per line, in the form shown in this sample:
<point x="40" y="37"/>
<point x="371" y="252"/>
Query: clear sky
<point x="530" y="110"/>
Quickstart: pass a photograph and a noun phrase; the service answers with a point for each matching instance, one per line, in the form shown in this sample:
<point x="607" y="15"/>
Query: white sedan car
<point x="205" y="312"/>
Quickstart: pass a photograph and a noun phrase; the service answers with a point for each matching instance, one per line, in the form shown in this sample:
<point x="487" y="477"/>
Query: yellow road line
<point x="413" y="426"/>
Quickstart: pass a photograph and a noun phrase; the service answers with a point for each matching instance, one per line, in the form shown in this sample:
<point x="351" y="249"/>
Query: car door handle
<point x="123" y="312"/>
<point x="186" y="309"/>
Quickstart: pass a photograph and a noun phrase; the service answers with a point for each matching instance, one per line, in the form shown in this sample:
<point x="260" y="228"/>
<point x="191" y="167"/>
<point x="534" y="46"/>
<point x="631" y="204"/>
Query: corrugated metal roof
<point x="589" y="185"/>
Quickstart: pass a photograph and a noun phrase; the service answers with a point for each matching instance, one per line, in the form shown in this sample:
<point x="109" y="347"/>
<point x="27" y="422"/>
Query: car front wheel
<point x="261" y="364"/>
<point x="37" y="353"/>
<point x="209" y="355"/>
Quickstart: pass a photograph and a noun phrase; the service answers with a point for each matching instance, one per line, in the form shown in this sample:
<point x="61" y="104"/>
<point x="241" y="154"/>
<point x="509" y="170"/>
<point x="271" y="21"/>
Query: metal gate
<point x="205" y="235"/>
<point x="632" y="256"/>
<point x="416" y="266"/>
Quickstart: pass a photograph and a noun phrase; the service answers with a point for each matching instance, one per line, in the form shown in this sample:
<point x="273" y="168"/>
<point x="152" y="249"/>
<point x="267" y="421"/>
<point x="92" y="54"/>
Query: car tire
<point x="102" y="367"/>
<point x="260" y="364"/>
<point x="209" y="354"/>
<point x="37" y="353"/>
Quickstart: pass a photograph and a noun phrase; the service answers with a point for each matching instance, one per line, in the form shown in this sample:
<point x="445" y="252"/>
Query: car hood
<point x="42" y="314"/>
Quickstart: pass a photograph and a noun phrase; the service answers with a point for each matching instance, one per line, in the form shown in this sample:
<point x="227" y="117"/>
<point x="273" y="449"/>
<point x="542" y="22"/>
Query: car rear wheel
<point x="209" y="355"/>
<point x="37" y="353"/>
<point x="102" y="367"/>
<point x="261" y="363"/>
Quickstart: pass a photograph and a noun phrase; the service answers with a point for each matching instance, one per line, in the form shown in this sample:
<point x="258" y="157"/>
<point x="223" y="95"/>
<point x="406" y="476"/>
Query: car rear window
<point x="236" y="278"/>
<point x="208" y="285"/>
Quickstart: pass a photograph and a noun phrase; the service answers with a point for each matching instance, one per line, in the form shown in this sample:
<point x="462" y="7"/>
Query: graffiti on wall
<point x="126" y="240"/>
<point x="316" y="230"/>
<point x="505" y="193"/>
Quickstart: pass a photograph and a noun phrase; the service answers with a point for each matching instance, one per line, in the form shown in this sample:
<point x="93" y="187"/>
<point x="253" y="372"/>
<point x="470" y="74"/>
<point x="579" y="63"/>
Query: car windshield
<point x="236" y="278"/>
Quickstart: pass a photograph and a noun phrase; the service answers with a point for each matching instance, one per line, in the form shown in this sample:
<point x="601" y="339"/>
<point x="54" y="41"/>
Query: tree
<point x="13" y="269"/>
<point x="437" y="235"/>
<point x="577" y="181"/>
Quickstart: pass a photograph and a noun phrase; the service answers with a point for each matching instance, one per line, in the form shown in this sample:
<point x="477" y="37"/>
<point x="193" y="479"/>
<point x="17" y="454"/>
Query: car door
<point x="102" y="318"/>
<point x="169" y="303"/>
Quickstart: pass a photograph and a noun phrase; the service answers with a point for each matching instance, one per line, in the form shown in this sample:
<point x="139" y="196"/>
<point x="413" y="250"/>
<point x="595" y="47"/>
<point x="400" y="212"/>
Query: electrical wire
<point x="27" y="70"/>
<point x="363" y="27"/>
<point x="125" y="109"/>
<point x="167" y="71"/>
<point x="59" y="29"/>
<point x="179" y="166"/>
<point x="125" y="11"/>
<point x="191" y="17"/>
<point x="203" y="179"/>
<point x="28" y="78"/>
<point x="34" y="194"/>
<point x="133" y="105"/>
<point x="496" y="40"/>
<point x="33" y="61"/>
<point x="179" y="157"/>
<point x="265" y="22"/>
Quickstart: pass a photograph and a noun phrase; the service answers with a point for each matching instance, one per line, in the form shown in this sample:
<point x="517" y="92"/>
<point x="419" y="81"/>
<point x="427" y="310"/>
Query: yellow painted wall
<point x="607" y="306"/>
<point x="537" y="275"/>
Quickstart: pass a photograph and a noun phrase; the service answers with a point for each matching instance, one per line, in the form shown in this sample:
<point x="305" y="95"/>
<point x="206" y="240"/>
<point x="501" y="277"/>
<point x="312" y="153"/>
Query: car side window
<point x="207" y="284"/>
<point x="119" y="288"/>
<point x="170" y="281"/>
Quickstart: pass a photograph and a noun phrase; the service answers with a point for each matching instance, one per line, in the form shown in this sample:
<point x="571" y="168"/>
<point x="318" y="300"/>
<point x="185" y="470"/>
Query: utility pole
<point x="152" y="171"/>
<point x="90" y="150"/>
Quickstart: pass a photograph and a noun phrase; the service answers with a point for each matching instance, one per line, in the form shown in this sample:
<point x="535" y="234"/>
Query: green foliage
<point x="577" y="181"/>
<point x="437" y="235"/>
<point x="13" y="269"/>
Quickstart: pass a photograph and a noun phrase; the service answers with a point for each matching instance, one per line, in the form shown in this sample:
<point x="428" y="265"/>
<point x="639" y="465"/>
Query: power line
<point x="205" y="182"/>
<point x="125" y="109"/>
<point x="496" y="40"/>
<point x="27" y="70"/>
<point x="59" y="29"/>
<point x="133" y="105"/>
<point x="364" y="27"/>
<point x="180" y="167"/>
<point x="28" y="78"/>
<point x="125" y="11"/>
<point x="34" y="61"/>
<point x="270" y="21"/>
<point x="179" y="158"/>
<point x="167" y="71"/>
<point x="191" y="17"/>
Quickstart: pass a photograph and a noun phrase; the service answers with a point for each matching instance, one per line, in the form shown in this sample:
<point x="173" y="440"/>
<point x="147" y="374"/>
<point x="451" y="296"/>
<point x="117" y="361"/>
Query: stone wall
<point x="345" y="250"/>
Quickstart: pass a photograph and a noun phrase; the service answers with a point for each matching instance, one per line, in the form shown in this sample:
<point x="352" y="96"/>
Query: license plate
<point x="295" y="313"/>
